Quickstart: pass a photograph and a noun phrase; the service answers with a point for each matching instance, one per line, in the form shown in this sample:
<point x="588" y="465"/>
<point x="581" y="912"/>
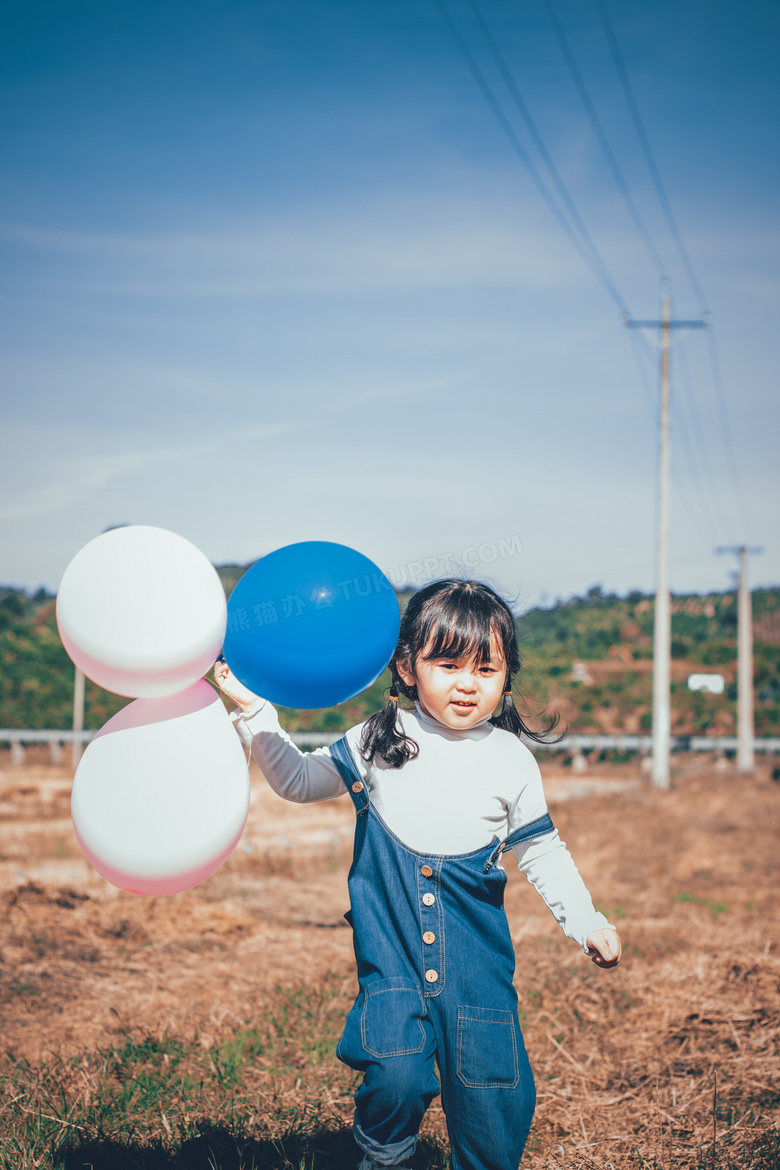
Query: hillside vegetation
<point x="612" y="638"/>
<point x="608" y="692"/>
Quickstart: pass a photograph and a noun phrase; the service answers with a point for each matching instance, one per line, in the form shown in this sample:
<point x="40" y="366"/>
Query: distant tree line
<point x="612" y="634"/>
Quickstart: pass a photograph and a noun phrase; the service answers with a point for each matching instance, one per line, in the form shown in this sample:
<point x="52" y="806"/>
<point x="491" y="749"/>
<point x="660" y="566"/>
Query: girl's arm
<point x="550" y="869"/>
<point x="299" y="776"/>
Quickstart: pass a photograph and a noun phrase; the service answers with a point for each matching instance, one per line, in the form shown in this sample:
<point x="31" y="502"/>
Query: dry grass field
<point x="199" y="1031"/>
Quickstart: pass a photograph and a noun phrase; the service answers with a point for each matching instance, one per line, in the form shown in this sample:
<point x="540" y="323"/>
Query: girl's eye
<point x="449" y="665"/>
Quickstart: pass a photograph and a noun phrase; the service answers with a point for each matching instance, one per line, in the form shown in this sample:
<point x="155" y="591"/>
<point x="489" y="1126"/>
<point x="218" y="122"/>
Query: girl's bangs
<point x="453" y="630"/>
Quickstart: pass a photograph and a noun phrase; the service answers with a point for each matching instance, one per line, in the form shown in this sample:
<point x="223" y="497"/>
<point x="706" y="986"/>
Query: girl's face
<point x="457" y="691"/>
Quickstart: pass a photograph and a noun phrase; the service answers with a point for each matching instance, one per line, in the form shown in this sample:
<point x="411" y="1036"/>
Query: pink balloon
<point x="161" y="795"/>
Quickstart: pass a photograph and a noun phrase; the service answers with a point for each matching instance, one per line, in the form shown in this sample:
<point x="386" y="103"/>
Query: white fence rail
<point x="18" y="739"/>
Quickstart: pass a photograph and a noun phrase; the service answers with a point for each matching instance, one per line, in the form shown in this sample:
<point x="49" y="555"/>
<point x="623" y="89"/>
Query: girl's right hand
<point x="230" y="686"/>
<point x="604" y="947"/>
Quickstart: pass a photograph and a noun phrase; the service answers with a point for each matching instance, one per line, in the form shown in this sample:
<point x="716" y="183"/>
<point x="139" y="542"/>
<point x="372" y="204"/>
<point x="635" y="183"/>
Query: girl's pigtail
<point x="382" y="735"/>
<point x="509" y="719"/>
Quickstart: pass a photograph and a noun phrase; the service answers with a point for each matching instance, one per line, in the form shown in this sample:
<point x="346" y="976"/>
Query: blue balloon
<point x="311" y="625"/>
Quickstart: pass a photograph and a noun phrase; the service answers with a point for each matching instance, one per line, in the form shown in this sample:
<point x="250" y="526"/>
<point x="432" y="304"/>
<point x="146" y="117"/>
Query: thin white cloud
<point x="425" y="242"/>
<point x="74" y="478"/>
<point x="71" y="480"/>
<point x="428" y="240"/>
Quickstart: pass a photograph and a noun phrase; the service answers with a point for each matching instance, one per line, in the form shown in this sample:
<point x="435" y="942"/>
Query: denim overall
<point x="435" y="964"/>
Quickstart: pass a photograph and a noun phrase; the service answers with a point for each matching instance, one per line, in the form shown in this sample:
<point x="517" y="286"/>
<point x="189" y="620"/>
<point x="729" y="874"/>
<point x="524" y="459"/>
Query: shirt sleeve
<point x="303" y="777"/>
<point x="549" y="866"/>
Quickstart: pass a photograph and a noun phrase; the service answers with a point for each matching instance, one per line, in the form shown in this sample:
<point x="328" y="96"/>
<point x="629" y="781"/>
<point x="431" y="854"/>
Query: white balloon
<point x="141" y="611"/>
<point x="161" y="795"/>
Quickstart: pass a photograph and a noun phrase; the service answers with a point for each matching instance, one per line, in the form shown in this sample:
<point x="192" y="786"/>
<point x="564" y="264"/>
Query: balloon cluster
<point x="161" y="795"/>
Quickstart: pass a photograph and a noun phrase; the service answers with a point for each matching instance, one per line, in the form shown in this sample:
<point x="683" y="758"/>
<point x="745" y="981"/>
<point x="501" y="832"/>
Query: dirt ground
<point x="690" y="877"/>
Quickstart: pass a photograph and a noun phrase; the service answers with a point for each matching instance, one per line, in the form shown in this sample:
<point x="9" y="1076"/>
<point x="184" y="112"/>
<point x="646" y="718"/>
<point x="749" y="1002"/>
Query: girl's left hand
<point x="229" y="685"/>
<point x="604" y="947"/>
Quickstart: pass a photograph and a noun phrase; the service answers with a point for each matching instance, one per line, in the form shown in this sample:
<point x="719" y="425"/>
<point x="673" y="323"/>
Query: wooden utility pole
<point x="745" y="724"/>
<point x="662" y="624"/>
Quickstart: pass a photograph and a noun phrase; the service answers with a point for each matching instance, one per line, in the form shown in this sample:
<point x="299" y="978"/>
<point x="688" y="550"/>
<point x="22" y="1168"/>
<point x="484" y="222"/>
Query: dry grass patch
<point x="200" y="1031"/>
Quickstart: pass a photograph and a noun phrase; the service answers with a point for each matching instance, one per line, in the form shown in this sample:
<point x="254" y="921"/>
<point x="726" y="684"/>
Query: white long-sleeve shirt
<point x="463" y="789"/>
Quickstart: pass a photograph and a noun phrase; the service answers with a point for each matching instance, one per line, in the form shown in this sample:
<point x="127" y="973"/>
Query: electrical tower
<point x="745" y="725"/>
<point x="662" y="625"/>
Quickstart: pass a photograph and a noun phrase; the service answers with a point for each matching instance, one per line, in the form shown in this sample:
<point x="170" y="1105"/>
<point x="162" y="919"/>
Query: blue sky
<point x="274" y="273"/>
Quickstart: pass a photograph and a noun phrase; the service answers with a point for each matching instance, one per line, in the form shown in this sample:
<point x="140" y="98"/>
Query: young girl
<point x="440" y="792"/>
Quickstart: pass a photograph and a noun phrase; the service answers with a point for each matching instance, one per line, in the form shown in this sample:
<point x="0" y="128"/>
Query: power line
<point x="699" y="432"/>
<point x="688" y="409"/>
<point x="726" y="430"/>
<point x="644" y="142"/>
<point x="599" y="272"/>
<point x="693" y="464"/>
<point x="580" y="238"/>
<point x="702" y="508"/>
<point x="636" y="340"/>
<point x="682" y="491"/>
<point x="686" y="423"/>
<point x="598" y="130"/>
<point x="666" y="206"/>
<point x="538" y="141"/>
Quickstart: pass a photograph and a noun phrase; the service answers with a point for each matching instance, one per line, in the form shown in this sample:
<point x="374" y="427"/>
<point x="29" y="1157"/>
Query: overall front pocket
<point x="487" y="1048"/>
<point x="391" y="1023"/>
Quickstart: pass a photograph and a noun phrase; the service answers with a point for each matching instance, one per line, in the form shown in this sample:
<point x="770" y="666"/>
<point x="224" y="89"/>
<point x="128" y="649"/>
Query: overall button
<point x="428" y="899"/>
<point x="431" y="976"/>
<point x="357" y="786"/>
<point x="426" y="871"/>
<point x="429" y="937"/>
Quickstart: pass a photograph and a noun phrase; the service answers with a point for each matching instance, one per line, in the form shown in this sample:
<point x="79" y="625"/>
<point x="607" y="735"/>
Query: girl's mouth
<point x="462" y="703"/>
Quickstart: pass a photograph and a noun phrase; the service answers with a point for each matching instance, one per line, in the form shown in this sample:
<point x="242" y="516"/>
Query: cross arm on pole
<point x="631" y="323"/>
<point x="735" y="550"/>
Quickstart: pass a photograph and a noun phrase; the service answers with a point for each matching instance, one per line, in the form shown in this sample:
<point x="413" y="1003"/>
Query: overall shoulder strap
<point x="345" y="762"/>
<point x="536" y="828"/>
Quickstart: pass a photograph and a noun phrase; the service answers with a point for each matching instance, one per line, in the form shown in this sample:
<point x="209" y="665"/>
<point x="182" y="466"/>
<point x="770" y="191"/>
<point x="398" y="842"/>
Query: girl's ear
<point x="405" y="674"/>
